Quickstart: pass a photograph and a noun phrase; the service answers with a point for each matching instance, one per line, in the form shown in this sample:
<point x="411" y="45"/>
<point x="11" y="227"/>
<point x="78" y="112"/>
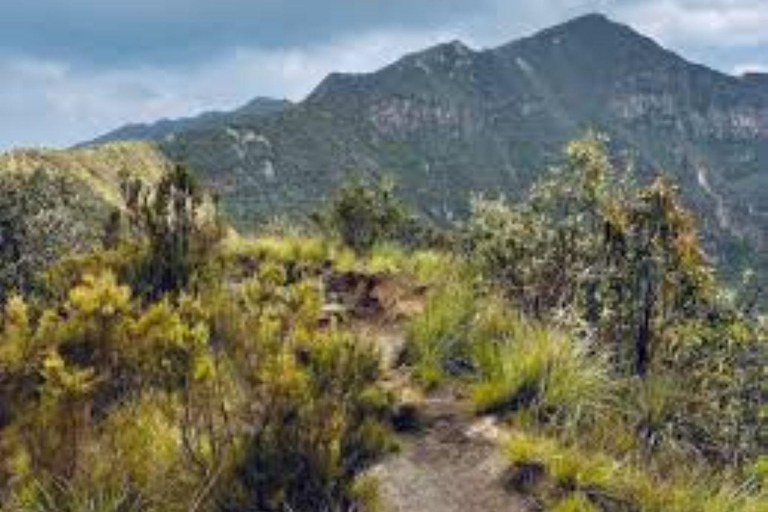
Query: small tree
<point x="180" y="223"/>
<point x="365" y="214"/>
<point x="627" y="261"/>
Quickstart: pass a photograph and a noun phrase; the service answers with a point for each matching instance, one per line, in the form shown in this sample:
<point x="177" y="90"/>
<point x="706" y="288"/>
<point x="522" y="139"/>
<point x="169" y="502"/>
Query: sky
<point x="73" y="69"/>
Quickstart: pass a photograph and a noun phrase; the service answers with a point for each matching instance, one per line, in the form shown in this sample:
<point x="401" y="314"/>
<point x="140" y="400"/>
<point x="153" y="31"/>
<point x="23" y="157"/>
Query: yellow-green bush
<point x="231" y="398"/>
<point x="576" y="502"/>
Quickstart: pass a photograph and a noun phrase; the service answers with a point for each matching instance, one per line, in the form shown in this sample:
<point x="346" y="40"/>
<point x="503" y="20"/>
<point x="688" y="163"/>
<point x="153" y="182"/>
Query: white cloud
<point x="750" y="67"/>
<point x="46" y="102"/>
<point x="709" y="22"/>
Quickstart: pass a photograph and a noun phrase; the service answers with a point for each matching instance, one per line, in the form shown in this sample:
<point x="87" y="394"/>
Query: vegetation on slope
<point x="169" y="374"/>
<point x="594" y="327"/>
<point x="182" y="367"/>
<point x="57" y="202"/>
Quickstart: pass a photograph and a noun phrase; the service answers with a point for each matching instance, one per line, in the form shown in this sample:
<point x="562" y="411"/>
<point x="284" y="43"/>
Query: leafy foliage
<point x="54" y="202"/>
<point x="366" y="214"/>
<point x="598" y="323"/>
<point x="170" y="375"/>
<point x="180" y="224"/>
<point x="625" y="262"/>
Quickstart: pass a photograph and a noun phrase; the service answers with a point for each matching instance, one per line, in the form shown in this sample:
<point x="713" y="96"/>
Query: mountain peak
<point x="594" y="25"/>
<point x="591" y="18"/>
<point x="594" y="41"/>
<point x="456" y="46"/>
<point x="444" y="59"/>
<point x="443" y="52"/>
<point x="261" y="105"/>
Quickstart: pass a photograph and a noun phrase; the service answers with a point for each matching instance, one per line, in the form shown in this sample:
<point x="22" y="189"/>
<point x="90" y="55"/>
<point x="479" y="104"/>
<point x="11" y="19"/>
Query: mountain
<point x="255" y="108"/>
<point x="450" y="120"/>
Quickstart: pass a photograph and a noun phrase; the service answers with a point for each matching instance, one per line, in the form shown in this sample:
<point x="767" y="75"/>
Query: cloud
<point x="56" y="103"/>
<point x="167" y="31"/>
<point x="750" y="67"/>
<point x="700" y="22"/>
<point x="73" y="69"/>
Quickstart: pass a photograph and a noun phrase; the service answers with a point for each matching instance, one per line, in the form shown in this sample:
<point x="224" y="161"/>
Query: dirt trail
<point x="450" y="460"/>
<point x="452" y="463"/>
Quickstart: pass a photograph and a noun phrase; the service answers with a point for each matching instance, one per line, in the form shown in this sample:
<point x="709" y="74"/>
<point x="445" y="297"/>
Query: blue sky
<point x="72" y="69"/>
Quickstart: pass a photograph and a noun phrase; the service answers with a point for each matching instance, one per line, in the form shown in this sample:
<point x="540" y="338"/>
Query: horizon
<point x="61" y="94"/>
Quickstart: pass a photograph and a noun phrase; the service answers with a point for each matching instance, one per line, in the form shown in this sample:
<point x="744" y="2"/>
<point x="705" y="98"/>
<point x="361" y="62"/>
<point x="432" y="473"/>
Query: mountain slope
<point x="54" y="202"/>
<point x="449" y="121"/>
<point x="255" y="108"/>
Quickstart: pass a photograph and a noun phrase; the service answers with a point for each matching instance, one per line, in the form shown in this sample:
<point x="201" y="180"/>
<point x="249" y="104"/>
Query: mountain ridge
<point x="450" y="120"/>
<point x="162" y="128"/>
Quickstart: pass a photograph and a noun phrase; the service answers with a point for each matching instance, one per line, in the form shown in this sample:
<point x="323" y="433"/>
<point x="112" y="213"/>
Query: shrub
<point x="627" y="261"/>
<point x="364" y="214"/>
<point x="576" y="502"/>
<point x="181" y="225"/>
<point x="229" y="399"/>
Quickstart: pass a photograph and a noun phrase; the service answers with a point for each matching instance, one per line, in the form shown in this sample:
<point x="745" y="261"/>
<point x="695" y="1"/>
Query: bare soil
<point x="450" y="465"/>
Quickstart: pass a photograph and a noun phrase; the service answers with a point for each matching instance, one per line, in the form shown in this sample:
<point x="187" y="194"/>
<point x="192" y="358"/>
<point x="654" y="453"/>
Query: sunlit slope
<point x="58" y="201"/>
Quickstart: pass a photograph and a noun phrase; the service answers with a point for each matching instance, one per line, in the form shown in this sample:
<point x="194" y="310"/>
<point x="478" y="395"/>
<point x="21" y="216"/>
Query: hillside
<point x="54" y="202"/>
<point x="571" y="352"/>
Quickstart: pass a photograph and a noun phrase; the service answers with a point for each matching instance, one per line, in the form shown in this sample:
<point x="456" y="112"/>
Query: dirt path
<point x="449" y="466"/>
<point x="452" y="463"/>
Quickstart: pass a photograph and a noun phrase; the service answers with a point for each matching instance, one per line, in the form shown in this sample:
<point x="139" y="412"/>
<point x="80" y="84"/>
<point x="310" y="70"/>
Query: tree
<point x="626" y="261"/>
<point x="181" y="225"/>
<point x="365" y="214"/>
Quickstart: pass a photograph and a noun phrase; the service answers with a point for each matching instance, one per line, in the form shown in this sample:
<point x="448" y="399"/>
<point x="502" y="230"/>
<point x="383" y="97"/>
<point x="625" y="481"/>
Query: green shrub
<point x="576" y="502"/>
<point x="364" y="214"/>
<point x="232" y="398"/>
<point x="624" y="261"/>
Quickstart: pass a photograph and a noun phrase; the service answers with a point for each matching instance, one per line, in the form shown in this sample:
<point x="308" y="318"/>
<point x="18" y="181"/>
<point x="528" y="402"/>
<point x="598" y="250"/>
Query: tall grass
<point x="575" y="502"/>
<point x="437" y="339"/>
<point x="540" y="368"/>
<point x="626" y="484"/>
